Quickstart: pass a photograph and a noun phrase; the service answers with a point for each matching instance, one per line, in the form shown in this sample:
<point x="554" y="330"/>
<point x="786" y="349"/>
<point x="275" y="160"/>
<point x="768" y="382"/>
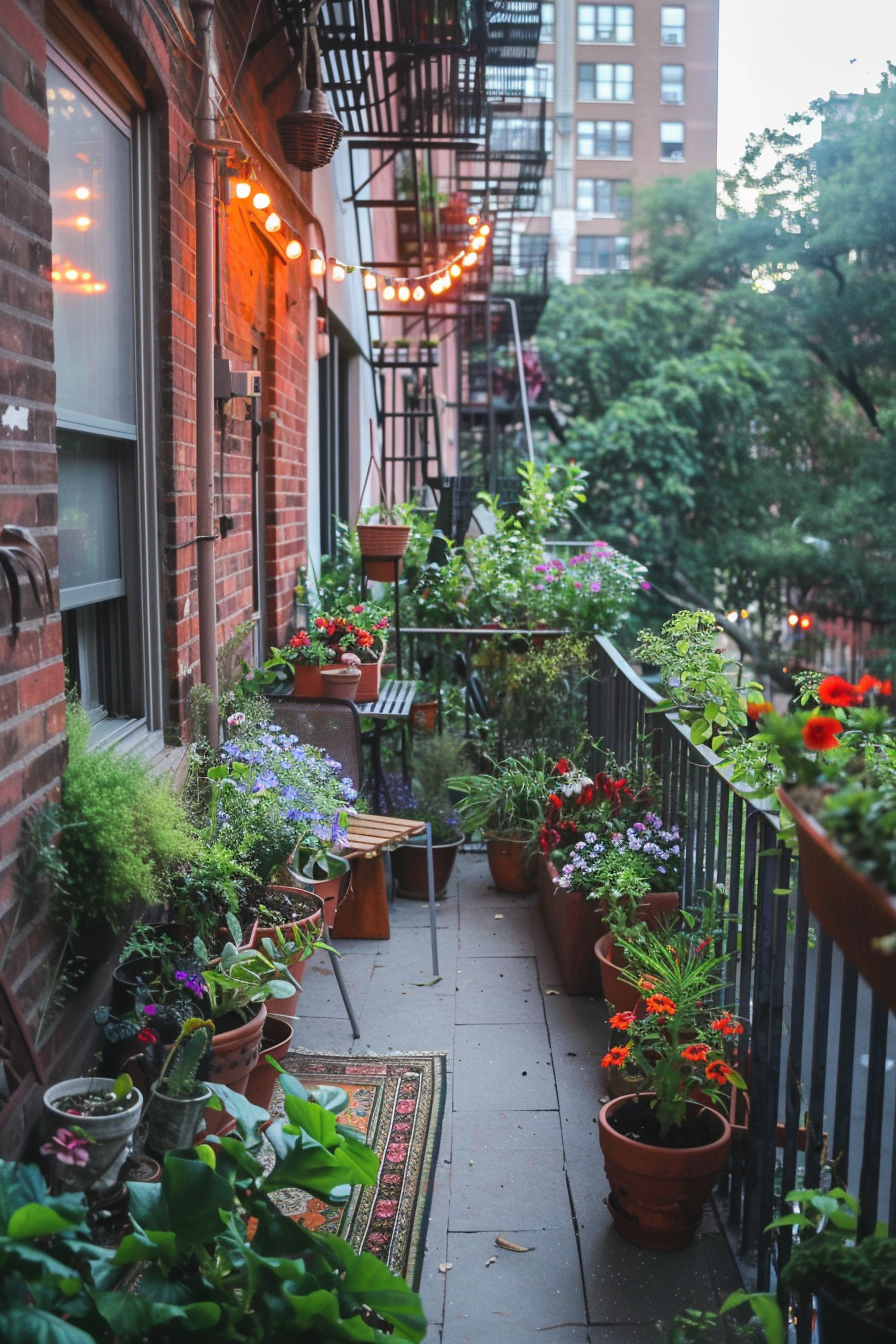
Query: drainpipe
<point x="204" y="177"/>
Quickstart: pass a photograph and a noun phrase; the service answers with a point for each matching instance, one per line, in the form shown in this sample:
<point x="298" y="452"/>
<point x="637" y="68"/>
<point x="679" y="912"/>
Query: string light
<point x="418" y="294"/>
<point x="404" y="292"/>
<point x="437" y="285"/>
<point x="454" y="270"/>
<point x="485" y="230"/>
<point x="337" y="270"/>
<point x="316" y="264"/>
<point x="273" y="223"/>
<point x="242" y="190"/>
<point x="369" y="279"/>
<point x="294" y="249"/>
<point x="472" y="220"/>
<point x="478" y="243"/>
<point x="389" y="290"/>
<point x="82" y="193"/>
<point x="470" y="259"/>
<point x="261" y="200"/>
<point x="83" y="222"/>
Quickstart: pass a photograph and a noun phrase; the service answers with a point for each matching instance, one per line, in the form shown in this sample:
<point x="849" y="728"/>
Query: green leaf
<point x="132" y="1316"/>
<point x="122" y="1086"/>
<point x="39" y="1327"/>
<point x="33" y="1220"/>
<point x="765" y="1308"/>
<point x="249" y="1118"/>
<point x="142" y="1245"/>
<point x="188" y="1200"/>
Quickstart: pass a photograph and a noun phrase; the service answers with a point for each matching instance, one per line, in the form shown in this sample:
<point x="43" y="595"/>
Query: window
<point x="672" y="25"/>
<point x="606" y="23"/>
<point x="606" y="83"/>
<point x="671" y="139"/>
<point x="604" y="139"/>
<point x="544" y="203"/>
<point x="529" y="250"/>
<point x="599" y="254"/>
<point x="547" y="21"/>
<point x="671" y="83"/>
<point x="603" y="196"/>
<point x="516" y="135"/>
<point x="105" y="481"/>
<point x="538" y="81"/>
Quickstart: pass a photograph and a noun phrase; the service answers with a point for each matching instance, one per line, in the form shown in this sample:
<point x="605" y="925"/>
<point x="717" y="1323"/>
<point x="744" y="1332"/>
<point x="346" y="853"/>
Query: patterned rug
<point x="396" y="1103"/>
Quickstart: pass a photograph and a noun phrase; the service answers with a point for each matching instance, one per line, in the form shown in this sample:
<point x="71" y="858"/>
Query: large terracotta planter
<point x="657" y="1193"/>
<point x="275" y="1041"/>
<point x="410" y="872"/>
<point x="850" y="908"/>
<point x="307" y="682"/>
<point x="314" y="919"/>
<point x="234" y="1056"/>
<point x="369" y="685"/>
<point x="511" y="864"/>
<point x="573" y="925"/>
<point x="619" y="994"/>
<point x="838" y="1324"/>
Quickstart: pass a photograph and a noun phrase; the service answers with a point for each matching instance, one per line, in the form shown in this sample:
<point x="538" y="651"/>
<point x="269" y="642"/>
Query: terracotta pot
<point x="619" y="994"/>
<point x="512" y="865"/>
<point x="850" y="908"/>
<point x="286" y="1007"/>
<point x="234" y="1056"/>
<point x="340" y="683"/>
<point x="369" y="685"/>
<point x="308" y="682"/>
<point x="424" y="716"/>
<point x="657" y="1193"/>
<point x="573" y="925"/>
<point x="409" y="869"/>
<point x="838" y="1323"/>
<point x="275" y="1041"/>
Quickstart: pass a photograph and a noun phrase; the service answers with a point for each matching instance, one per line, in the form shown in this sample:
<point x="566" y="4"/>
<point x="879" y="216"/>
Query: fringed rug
<point x="396" y="1102"/>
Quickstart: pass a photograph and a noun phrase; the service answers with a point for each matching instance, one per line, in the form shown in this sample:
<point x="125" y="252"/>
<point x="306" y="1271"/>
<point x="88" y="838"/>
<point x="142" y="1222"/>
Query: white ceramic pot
<point x="112" y="1135"/>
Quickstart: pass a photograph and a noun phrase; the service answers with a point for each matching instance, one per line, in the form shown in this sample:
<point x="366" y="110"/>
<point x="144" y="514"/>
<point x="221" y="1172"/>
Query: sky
<point x="776" y="56"/>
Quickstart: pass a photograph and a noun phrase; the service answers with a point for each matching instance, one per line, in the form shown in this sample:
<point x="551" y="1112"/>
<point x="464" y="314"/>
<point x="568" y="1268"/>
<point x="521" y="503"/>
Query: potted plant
<point x="90" y="1124"/>
<point x="429" y="351"/>
<point x="383" y="534"/>
<point x="402" y="350"/>
<point x="293" y="943"/>
<point x="276" y="1038"/>
<point x="350" y="634"/>
<point x="324" y="872"/>
<point x="507" y="808"/>
<point x="379" y="349"/>
<point x="664" y="1149"/>
<point x="342" y="682"/>
<point x="177" y="1097"/>
<point x="435" y="761"/>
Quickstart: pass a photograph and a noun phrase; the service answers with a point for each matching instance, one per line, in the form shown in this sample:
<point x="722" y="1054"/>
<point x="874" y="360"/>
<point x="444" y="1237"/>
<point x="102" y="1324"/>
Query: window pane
<point x="587" y="24"/>
<point x="603" y="197"/>
<point x="672" y="25"/>
<point x="545" y="196"/>
<point x="585" y="196"/>
<point x="623" y="139"/>
<point x="93" y="278"/>
<point x="585" y="139"/>
<point x="625" y="79"/>
<point x="604" y="83"/>
<point x="604" y="139"/>
<point x="547" y="21"/>
<point x="623" y="199"/>
<point x="625" y="23"/>
<point x="584" y="254"/>
<point x="605" y="23"/>
<point x="89" y="537"/>
<point x="602" y="253"/>
<point x="672" y="139"/>
<point x="672" y="83"/>
<point x="623" y="254"/>
<point x="586" y="83"/>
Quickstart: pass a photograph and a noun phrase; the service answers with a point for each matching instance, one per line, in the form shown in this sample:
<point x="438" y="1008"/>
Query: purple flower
<point x="541" y="569"/>
<point x="645" y="584"/>
<point x="539" y="587"/>
<point x="150" y="1009"/>
<point x="595" y="585"/>
<point x="190" y="981"/>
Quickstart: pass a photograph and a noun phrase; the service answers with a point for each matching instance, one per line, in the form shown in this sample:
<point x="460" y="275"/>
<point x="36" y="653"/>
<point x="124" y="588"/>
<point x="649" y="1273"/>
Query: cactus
<point x="178" y="1075"/>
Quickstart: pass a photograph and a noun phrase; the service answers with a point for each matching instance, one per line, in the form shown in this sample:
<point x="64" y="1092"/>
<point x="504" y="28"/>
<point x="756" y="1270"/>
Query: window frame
<point x="666" y="26"/>
<point x="612" y="84"/>
<point x="551" y="27"/>
<point x="595" y="138"/>
<point x="614" y="39"/>
<point x="673" y="157"/>
<point x="672" y="102"/>
<point x="612" y="184"/>
<point x="614" y="253"/>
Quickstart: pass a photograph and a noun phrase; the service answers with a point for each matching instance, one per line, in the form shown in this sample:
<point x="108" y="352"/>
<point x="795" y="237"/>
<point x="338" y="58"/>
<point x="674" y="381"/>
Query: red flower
<point x="756" y="708"/>
<point x="615" y="1058"/>
<point x="659" y="1004"/>
<point x="300" y="640"/>
<point x="838" y="691"/>
<point x="365" y="639"/>
<point x="357" y="610"/>
<point x="868" y="683"/>
<point x="718" y="1071"/>
<point x="622" y="1021"/>
<point x="147" y="1037"/>
<point x="727" y="1025"/>
<point x="563" y="766"/>
<point x="695" y="1053"/>
<point x="820" y="733"/>
<point x="586" y="796"/>
<point x="320" y="622"/>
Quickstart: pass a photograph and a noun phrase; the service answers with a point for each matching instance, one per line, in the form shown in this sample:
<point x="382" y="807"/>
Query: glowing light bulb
<point x="404" y="293"/>
<point x="418" y="293"/>
<point x="368" y="279"/>
<point x="273" y="223"/>
<point x="99" y="289"/>
<point x="82" y="193"/>
<point x="477" y="243"/>
<point x="485" y="230"/>
<point x="436" y="286"/>
<point x="243" y="190"/>
<point x="470" y="259"/>
<point x="337" y="270"/>
<point x="83" y="222"/>
<point x="71" y="274"/>
<point x="389" y="291"/>
<point x="261" y="200"/>
<point x="317" y="265"/>
<point x="454" y="270"/>
<point x="55" y="275"/>
<point x="793" y="619"/>
<point x="87" y="275"/>
<point x="446" y="282"/>
<point x="293" y="249"/>
<point x="472" y="220"/>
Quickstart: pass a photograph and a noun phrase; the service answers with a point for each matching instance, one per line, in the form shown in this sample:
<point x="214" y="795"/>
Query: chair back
<point x="332" y="725"/>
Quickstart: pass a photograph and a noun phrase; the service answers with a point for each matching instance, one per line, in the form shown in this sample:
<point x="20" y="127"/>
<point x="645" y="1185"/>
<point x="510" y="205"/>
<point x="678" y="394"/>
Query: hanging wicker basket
<point x="309" y="132"/>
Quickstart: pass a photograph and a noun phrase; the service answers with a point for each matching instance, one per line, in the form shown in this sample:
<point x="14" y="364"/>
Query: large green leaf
<point x="40" y="1327"/>
<point x="132" y="1315"/>
<point x="36" y="1220"/>
<point x="188" y="1200"/>
<point x="367" y="1281"/>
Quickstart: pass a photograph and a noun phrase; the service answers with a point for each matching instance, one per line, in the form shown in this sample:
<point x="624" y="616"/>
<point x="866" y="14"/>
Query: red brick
<point x="42" y="686"/>
<point x="24" y="31"/>
<point x="25" y="116"/>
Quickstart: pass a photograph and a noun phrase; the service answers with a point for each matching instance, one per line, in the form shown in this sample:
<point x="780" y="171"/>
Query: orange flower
<point x="622" y="1021"/>
<point x="659" y="1004"/>
<point x="695" y="1053"/>
<point x="615" y="1058"/>
<point x="838" y="691"/>
<point x="646" y="983"/>
<point x="868" y="683"/>
<point x="756" y="708"/>
<point x="820" y="733"/>
<point x="718" y="1071"/>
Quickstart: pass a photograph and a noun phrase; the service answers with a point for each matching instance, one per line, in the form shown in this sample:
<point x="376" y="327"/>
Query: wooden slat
<point x="369" y="833"/>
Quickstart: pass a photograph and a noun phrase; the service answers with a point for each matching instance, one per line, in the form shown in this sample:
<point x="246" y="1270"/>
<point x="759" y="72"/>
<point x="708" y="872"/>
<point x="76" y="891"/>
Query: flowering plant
<point x="620" y="869"/>
<point x="679" y="1044"/>
<point x="578" y="804"/>
<point x="591" y="590"/>
<point x="355" y="634"/>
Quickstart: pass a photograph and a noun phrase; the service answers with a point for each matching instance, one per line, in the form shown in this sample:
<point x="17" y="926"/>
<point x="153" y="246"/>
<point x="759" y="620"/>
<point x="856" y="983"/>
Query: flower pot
<point x="619" y="994"/>
<point x="112" y="1135"/>
<point x="124" y="981"/>
<point x="409" y="868"/>
<point x="838" y="1323"/>
<point x="402" y="354"/>
<point x="308" y="682"/>
<point x="850" y="908"/>
<point x="173" y="1121"/>
<point x="369" y="685"/>
<point x="657" y="1192"/>
<point x="381" y="545"/>
<point x="314" y="919"/>
<point x="275" y="1041"/>
<point x="329" y="888"/>
<point x="573" y="925"/>
<point x="340" y="683"/>
<point x="424" y="716"/>
<point x="234" y="1056"/>
<point x="512" y="864"/>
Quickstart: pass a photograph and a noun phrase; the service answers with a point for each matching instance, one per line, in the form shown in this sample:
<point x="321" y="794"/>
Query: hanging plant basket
<point x="309" y="133"/>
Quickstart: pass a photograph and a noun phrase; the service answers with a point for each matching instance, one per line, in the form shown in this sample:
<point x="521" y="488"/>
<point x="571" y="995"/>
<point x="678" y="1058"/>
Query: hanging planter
<point x="384" y="542"/>
<point x="309" y="133"/>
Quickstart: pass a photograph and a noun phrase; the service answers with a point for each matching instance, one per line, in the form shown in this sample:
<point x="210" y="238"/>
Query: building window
<point x="600" y="254"/>
<point x="519" y="135"/>
<point x="529" y="251"/>
<point x="672" y="25"/>
<point x="672" y="140"/>
<point x="604" y="197"/>
<point x="606" y="23"/>
<point x="604" y="139"/>
<point x="538" y="81"/>
<point x="606" y="83"/>
<point x="547" y="21"/>
<point x="105" y="495"/>
<point x="671" y="83"/>
<point x="544" y="202"/>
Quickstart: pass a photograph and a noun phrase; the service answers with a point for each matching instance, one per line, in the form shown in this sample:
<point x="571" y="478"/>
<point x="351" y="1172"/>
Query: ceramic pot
<point x="340" y="683"/>
<point x="573" y="925"/>
<point x="173" y="1121"/>
<point x="409" y="869"/>
<point x="328" y="889"/>
<point x="234" y="1056"/>
<point x="850" y="908"/>
<point x="424" y="716"/>
<point x="619" y="994"/>
<point x="838" y="1323"/>
<point x="308" y="682"/>
<point x="275" y="1041"/>
<point x="112" y="1135"/>
<point x="313" y="920"/>
<point x="511" y="864"/>
<point x="657" y="1193"/>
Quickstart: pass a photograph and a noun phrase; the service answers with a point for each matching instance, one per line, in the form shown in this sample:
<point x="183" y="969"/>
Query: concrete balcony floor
<point x="519" y="1153"/>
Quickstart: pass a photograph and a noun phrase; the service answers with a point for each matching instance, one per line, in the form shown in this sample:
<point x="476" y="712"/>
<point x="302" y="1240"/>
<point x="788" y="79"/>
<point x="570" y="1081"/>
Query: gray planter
<point x="112" y="1135"/>
<point x="173" y="1121"/>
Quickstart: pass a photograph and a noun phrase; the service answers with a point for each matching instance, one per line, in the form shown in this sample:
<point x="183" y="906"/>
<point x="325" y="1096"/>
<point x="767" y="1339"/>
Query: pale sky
<point x="776" y="56"/>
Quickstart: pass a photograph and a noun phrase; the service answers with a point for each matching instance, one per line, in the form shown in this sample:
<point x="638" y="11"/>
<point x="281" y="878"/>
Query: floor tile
<point x="487" y="932"/>
<point x="498" y="989"/>
<point x="504" y="1065"/>
<point x="507" y="1169"/>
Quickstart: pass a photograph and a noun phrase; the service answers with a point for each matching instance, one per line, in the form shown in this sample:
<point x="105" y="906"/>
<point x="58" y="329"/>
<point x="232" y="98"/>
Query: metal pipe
<point x="205" y="126"/>
<point x="521" y="374"/>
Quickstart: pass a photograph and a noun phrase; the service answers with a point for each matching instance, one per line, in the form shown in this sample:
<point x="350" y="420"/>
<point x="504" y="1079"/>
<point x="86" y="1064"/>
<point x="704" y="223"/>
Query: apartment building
<point x="632" y="95"/>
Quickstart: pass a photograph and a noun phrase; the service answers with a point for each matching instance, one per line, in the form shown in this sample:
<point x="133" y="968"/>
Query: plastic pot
<point x="173" y="1121"/>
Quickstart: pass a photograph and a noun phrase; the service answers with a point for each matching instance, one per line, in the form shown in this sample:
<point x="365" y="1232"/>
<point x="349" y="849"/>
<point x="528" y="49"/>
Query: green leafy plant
<point x="510" y="802"/>
<point x="177" y="1076"/>
<point x="243" y="977"/>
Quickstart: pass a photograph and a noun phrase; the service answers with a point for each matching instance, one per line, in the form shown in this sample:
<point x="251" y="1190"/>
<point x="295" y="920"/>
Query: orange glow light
<point x="55" y="275"/>
<point x="83" y="222"/>
<point x="71" y="275"/>
<point x="242" y="191"/>
<point x="337" y="270"/>
<point x="418" y="294"/>
<point x="470" y="259"/>
<point x="389" y="291"/>
<point x="273" y="223"/>
<point x="454" y="270"/>
<point x="369" y="280"/>
<point x="82" y="193"/>
<point x="293" y="249"/>
<point x="261" y="200"/>
<point x="793" y="619"/>
<point x="472" y="220"/>
<point x="404" y="293"/>
<point x="317" y="265"/>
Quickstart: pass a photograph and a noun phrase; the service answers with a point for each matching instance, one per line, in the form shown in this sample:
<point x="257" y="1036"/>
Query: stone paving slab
<point x="507" y="1170"/>
<point x="320" y="996"/>
<point x="505" y="1065"/>
<point x="498" y="989"/>
<point x="486" y="932"/>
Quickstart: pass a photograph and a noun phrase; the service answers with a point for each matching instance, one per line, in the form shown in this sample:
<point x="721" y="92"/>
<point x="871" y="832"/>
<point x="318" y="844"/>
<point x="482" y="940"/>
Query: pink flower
<point x="397" y="1152"/>
<point x="539" y="587"/>
<point x="645" y="584"/>
<point x="351" y="659"/>
<point x="385" y="1208"/>
<point x="150" y="1009"/>
<point x="595" y="585"/>
<point x="235" y="720"/>
<point x="67" y="1148"/>
<point x="577" y="583"/>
